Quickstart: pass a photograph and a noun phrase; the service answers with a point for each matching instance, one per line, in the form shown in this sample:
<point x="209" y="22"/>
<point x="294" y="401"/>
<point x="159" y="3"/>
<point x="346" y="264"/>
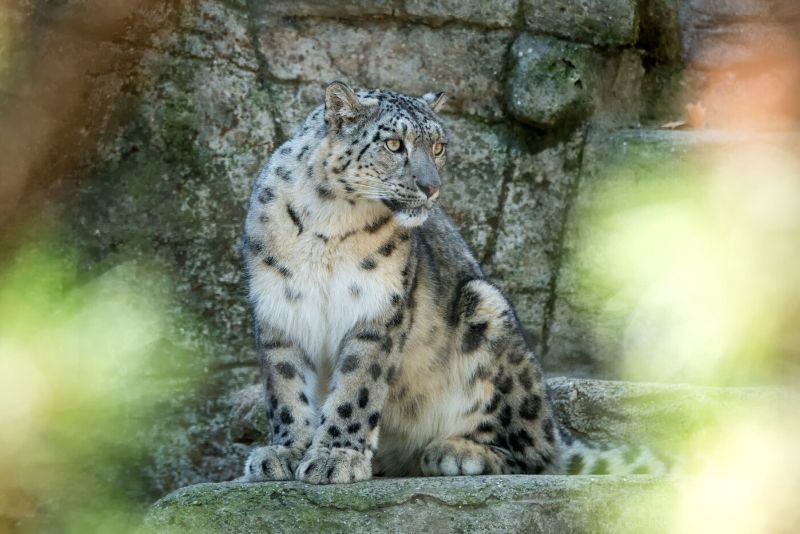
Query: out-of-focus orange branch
<point x="40" y="119"/>
<point x="749" y="72"/>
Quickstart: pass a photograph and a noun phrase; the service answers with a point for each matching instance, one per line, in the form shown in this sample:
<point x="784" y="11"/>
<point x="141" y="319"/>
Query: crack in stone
<point x="262" y="76"/>
<point x="491" y="241"/>
<point x="403" y="18"/>
<point x="414" y="498"/>
<point x="552" y="289"/>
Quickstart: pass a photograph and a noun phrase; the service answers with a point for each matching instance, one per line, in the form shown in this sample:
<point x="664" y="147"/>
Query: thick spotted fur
<point x="384" y="348"/>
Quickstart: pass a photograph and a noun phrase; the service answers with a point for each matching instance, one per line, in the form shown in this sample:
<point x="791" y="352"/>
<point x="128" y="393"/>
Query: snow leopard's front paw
<point x="322" y="465"/>
<point x="273" y="462"/>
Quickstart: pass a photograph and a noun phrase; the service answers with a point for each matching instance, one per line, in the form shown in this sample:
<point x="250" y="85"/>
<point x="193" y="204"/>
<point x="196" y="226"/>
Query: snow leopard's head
<point x="387" y="147"/>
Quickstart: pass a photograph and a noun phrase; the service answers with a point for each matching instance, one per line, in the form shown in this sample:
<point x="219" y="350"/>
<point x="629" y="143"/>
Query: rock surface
<point x="511" y="503"/>
<point x="551" y="81"/>
<point x="597" y="22"/>
<point x="555" y="83"/>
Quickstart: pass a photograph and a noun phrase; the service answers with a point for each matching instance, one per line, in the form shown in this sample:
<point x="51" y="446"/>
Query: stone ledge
<point x="523" y="503"/>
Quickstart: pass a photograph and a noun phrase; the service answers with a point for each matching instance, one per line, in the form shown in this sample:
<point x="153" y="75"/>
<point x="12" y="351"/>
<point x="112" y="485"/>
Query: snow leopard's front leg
<point x="343" y="445"/>
<point x="290" y="379"/>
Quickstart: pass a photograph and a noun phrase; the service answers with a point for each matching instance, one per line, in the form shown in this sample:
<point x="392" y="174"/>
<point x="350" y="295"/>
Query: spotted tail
<point x="580" y="457"/>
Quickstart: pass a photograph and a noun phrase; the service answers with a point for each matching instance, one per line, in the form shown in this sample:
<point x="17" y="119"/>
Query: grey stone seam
<point x="491" y="241"/>
<point x="411" y="499"/>
<point x="552" y="289"/>
<point x="406" y="19"/>
<point x="263" y="72"/>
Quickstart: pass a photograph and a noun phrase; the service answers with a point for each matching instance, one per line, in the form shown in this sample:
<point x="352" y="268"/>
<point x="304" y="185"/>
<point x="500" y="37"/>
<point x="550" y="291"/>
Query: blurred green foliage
<point x="75" y="399"/>
<point x="699" y="269"/>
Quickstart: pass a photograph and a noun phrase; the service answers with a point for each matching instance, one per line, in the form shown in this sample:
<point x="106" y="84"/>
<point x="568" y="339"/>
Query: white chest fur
<point x="326" y="294"/>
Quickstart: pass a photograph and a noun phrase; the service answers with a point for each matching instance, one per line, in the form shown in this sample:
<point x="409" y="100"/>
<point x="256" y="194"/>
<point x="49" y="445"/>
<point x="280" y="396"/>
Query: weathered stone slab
<point x="736" y="45"/>
<point x="414" y="59"/>
<point x="217" y="33"/>
<point x="720" y="34"/>
<point x="512" y="503"/>
<point x="636" y="412"/>
<point x="597" y="22"/>
<point x="722" y="12"/>
<point x="618" y="95"/>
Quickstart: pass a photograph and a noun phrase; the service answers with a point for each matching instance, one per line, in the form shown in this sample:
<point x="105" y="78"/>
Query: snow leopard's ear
<point x="341" y="105"/>
<point x="435" y="101"/>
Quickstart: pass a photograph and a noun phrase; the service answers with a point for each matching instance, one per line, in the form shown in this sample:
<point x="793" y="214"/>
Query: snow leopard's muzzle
<point x="419" y="192"/>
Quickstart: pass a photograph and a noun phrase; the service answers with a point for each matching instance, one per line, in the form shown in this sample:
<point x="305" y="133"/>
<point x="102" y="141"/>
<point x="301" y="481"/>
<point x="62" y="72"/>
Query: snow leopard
<point x="383" y="347"/>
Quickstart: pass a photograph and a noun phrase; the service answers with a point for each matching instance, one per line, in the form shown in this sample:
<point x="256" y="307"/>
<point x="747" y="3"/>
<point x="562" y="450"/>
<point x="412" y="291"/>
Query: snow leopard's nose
<point x="424" y="174"/>
<point x="431" y="191"/>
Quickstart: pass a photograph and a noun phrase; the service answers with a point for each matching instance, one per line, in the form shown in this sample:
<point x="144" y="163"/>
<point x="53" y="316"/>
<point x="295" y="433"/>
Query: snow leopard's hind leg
<point x="515" y="431"/>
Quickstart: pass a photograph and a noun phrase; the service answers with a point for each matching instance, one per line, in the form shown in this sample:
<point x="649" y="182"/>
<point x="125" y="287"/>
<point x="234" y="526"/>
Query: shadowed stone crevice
<point x="572" y="194"/>
<point x="263" y="76"/>
<point x="495" y="221"/>
<point x="659" y="35"/>
<point x="474" y="14"/>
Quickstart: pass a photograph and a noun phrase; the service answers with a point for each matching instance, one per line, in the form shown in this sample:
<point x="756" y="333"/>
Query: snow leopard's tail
<point x="580" y="457"/>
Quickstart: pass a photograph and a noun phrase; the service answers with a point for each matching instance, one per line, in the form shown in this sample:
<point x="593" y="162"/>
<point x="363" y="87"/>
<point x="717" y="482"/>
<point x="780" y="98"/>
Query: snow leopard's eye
<point x="394" y="145"/>
<point x="438" y="149"/>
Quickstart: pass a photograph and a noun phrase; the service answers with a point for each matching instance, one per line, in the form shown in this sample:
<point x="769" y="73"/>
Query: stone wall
<point x="159" y="114"/>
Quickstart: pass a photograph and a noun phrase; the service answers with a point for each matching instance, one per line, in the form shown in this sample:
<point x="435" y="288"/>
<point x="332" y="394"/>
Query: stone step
<point x="510" y="503"/>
